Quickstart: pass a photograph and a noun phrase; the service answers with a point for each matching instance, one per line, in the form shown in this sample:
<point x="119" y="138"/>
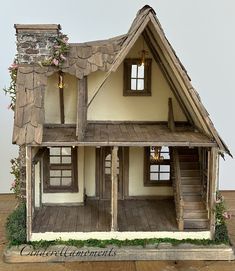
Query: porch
<point x="133" y="215"/>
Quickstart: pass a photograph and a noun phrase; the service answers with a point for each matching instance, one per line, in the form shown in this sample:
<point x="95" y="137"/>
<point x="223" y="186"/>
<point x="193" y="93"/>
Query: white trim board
<point x="119" y="235"/>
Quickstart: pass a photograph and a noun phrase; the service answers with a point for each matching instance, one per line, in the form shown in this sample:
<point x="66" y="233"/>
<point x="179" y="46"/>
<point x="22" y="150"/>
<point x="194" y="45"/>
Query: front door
<point x="106" y="164"/>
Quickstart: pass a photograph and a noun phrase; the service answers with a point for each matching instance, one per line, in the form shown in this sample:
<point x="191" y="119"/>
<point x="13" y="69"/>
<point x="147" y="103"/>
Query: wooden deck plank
<point x="133" y="215"/>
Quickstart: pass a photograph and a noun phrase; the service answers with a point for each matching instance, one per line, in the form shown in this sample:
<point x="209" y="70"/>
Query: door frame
<point x="123" y="171"/>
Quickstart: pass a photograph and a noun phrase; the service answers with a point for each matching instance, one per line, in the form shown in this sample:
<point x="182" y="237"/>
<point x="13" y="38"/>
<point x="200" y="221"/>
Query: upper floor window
<point x="137" y="78"/>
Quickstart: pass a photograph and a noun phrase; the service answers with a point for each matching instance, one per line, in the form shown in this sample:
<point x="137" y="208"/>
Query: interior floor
<point x="133" y="215"/>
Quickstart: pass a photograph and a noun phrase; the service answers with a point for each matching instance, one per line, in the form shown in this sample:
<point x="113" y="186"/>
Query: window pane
<point x="66" y="181"/>
<point x="54" y="151"/>
<point x="165" y="168"/>
<point x="154" y="168"/>
<point x="66" y="151"/>
<point x="55" y="160"/>
<point x="133" y="84"/>
<point x="54" y="173"/>
<point x="67" y="173"/>
<point x="141" y="71"/>
<point x="134" y="71"/>
<point x="154" y="176"/>
<point x="66" y="159"/>
<point x="165" y="176"/>
<point x="140" y="84"/>
<point x="55" y="181"/>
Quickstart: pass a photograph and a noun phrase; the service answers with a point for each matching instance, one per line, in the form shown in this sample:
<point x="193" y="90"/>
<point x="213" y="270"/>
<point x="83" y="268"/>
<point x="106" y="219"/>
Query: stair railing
<point x="177" y="189"/>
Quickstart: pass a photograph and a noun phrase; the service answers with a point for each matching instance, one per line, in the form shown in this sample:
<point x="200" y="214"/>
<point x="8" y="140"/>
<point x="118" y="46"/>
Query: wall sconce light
<point x="61" y="80"/>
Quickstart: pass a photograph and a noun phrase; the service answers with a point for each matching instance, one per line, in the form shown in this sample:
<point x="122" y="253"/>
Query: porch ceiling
<point x="127" y="134"/>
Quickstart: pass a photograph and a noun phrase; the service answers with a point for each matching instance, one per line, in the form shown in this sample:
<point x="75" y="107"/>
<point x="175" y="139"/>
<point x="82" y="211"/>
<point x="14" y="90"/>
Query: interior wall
<point x="77" y="197"/>
<point x="136" y="176"/>
<point x="52" y="99"/>
<point x="110" y="104"/>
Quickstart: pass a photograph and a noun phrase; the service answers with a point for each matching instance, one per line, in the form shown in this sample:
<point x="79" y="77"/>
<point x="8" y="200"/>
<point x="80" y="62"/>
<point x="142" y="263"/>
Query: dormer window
<point x="137" y="77"/>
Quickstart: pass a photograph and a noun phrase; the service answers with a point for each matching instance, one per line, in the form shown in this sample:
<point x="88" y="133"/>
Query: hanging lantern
<point x="156" y="157"/>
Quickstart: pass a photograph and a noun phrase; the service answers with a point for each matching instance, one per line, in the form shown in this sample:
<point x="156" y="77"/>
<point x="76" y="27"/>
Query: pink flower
<point x="13" y="184"/>
<point x="62" y="57"/>
<point x="227" y="215"/>
<point x="57" y="46"/>
<point x="13" y="66"/>
<point x="55" y="61"/>
<point x="65" y="39"/>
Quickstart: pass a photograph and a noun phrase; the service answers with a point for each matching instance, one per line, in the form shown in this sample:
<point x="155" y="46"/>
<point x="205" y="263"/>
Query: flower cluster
<point x="221" y="213"/>
<point x="59" y="52"/>
<point x="15" y="171"/>
<point x="11" y="90"/>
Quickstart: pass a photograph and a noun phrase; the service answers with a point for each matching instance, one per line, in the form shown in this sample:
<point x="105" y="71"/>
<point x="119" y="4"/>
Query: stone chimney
<point x="34" y="41"/>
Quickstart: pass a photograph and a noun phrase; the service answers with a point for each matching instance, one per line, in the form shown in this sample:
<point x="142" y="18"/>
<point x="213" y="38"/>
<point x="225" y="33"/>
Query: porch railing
<point x="177" y="189"/>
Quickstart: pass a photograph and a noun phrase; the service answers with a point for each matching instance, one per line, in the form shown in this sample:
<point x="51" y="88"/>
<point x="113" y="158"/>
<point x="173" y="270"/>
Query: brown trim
<point x="127" y="77"/>
<point x="146" y="197"/>
<point x="81" y="108"/>
<point x="126" y="144"/>
<point x="97" y="171"/>
<point x="29" y="192"/>
<point x="147" y="181"/>
<point x="125" y="172"/>
<point x="177" y="123"/>
<point x="123" y="154"/>
<point x="73" y="188"/>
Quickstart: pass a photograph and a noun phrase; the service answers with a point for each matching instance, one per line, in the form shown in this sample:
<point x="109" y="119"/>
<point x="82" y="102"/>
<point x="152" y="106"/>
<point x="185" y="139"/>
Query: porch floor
<point x="133" y="215"/>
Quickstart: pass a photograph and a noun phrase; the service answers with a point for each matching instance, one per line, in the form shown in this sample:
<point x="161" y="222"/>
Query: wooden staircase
<point x="194" y="214"/>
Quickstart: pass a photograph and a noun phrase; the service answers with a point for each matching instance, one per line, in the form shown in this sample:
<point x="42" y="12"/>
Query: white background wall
<point x="201" y="32"/>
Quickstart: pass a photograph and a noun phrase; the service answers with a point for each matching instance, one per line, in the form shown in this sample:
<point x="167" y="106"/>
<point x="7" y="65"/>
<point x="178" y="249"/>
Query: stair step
<point x="183" y="150"/>
<point x="192" y="198"/>
<point x="189" y="165"/>
<point x="196" y="223"/>
<point x="195" y="214"/>
<point x="190" y="181"/>
<point x="194" y="205"/>
<point x="190" y="173"/>
<point x="188" y="158"/>
<point x="188" y="188"/>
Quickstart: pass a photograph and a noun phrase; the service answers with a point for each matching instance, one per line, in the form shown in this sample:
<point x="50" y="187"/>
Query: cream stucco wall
<point x="110" y="104"/>
<point x="70" y="197"/>
<point x="52" y="99"/>
<point x="90" y="158"/>
<point x="136" y="173"/>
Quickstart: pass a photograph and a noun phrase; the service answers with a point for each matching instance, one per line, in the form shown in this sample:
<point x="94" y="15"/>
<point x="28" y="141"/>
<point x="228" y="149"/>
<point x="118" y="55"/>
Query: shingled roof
<point x="107" y="55"/>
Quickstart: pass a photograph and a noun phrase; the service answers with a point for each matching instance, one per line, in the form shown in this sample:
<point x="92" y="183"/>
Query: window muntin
<point x="60" y="169"/>
<point x="157" y="171"/>
<point x="137" y="78"/>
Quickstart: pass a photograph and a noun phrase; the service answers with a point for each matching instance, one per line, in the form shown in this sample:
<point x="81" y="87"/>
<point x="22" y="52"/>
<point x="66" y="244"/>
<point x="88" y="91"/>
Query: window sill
<point x="136" y="93"/>
<point x="159" y="183"/>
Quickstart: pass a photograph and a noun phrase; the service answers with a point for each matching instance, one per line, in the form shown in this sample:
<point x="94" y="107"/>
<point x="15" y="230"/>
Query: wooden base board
<point x="25" y="253"/>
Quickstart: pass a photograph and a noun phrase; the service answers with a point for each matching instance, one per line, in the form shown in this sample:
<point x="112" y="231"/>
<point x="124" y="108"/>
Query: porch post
<point x="114" y="191"/>
<point x="213" y="187"/>
<point x="28" y="192"/>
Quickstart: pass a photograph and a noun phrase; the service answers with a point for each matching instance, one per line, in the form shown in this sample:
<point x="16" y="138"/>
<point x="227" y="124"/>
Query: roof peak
<point x="146" y="7"/>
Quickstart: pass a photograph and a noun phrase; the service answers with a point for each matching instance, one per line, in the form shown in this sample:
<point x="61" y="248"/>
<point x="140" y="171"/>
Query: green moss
<point x="16" y="225"/>
<point x="123" y="243"/>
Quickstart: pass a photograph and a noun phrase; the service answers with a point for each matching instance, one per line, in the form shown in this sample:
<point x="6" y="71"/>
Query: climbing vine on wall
<point x="59" y="52"/>
<point x="15" y="171"/>
<point x="57" y="57"/>
<point x="11" y="89"/>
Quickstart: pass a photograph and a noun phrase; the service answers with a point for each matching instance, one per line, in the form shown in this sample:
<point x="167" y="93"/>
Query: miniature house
<point x="122" y="147"/>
